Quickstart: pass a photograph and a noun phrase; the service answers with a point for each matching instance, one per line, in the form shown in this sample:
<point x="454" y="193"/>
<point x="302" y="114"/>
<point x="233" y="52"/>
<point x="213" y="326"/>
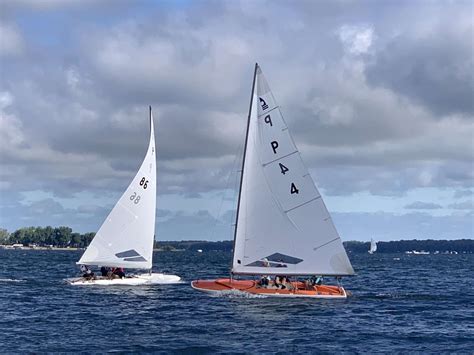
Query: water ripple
<point x="415" y="304"/>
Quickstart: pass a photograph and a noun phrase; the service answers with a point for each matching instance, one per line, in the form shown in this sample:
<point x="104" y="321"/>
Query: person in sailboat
<point x="119" y="272"/>
<point x="276" y="282"/>
<point x="288" y="283"/>
<point x="264" y="281"/>
<point x="87" y="273"/>
<point x="315" y="280"/>
<point x="280" y="282"/>
<point x="104" y="271"/>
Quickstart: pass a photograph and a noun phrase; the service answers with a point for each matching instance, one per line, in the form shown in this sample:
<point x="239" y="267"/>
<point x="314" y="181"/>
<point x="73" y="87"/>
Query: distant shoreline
<point x="26" y="247"/>
<point x="428" y="246"/>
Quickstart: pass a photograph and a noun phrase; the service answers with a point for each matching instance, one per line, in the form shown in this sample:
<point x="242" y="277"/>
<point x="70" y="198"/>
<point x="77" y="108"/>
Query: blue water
<point x="418" y="303"/>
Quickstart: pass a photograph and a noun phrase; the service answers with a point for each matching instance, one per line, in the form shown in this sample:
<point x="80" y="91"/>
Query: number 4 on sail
<point x="283" y="230"/>
<point x="125" y="239"/>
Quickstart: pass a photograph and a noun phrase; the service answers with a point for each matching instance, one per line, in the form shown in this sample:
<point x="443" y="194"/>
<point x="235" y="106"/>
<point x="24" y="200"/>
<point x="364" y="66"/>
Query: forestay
<point x="283" y="226"/>
<point x="126" y="237"/>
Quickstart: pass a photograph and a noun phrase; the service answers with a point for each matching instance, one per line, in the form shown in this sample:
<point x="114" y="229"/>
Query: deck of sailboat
<point x="297" y="289"/>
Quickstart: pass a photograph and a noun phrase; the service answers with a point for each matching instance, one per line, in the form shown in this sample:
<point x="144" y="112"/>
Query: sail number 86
<point x="136" y="198"/>
<point x="144" y="183"/>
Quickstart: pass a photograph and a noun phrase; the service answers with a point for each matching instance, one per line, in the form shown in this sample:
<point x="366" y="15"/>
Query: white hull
<point x="134" y="280"/>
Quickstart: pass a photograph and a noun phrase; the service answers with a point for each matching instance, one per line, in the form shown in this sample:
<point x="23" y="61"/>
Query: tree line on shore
<point x="65" y="237"/>
<point x="398" y="246"/>
<point x="46" y="236"/>
<point x="401" y="246"/>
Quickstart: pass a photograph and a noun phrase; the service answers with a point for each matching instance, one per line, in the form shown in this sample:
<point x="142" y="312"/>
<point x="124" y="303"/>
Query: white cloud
<point x="11" y="41"/>
<point x="75" y="113"/>
<point x="332" y="112"/>
<point x="10" y="126"/>
<point x="356" y="39"/>
<point x="6" y="99"/>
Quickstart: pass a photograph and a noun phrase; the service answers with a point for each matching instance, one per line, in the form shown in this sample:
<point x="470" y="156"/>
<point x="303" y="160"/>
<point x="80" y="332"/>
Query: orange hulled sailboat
<point x="284" y="233"/>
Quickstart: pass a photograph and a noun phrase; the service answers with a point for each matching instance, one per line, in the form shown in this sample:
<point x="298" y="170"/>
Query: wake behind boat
<point x="283" y="228"/>
<point x="125" y="239"/>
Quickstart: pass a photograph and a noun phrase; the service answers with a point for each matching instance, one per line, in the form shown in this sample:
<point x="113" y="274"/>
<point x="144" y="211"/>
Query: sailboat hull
<point x="134" y="280"/>
<point x="297" y="289"/>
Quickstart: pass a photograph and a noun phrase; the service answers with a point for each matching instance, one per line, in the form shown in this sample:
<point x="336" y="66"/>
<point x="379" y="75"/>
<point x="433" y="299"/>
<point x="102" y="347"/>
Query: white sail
<point x="283" y="226"/>
<point x="373" y="246"/>
<point x="126" y="237"/>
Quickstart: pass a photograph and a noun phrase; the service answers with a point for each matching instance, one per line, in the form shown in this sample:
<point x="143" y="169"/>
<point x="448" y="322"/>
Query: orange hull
<point x="296" y="289"/>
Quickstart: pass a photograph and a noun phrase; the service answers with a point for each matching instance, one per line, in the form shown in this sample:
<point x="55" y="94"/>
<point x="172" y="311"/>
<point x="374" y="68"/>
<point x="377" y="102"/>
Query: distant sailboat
<point x="125" y="239"/>
<point x="283" y="227"/>
<point x="373" y="246"/>
<point x="422" y="252"/>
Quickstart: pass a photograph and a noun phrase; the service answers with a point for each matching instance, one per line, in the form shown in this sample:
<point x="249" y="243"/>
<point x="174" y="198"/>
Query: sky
<point x="378" y="95"/>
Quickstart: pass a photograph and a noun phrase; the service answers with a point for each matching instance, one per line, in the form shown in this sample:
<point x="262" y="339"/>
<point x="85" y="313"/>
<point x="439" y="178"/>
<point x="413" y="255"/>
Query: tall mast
<point x="156" y="182"/>
<point x="243" y="160"/>
<point x="150" y="115"/>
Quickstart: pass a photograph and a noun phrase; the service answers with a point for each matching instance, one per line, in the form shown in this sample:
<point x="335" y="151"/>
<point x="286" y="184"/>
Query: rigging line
<point x="219" y="212"/>
<point x="274" y="160"/>
<point x="322" y="245"/>
<point x="304" y="203"/>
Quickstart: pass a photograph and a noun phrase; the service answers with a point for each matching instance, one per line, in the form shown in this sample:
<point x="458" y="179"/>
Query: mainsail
<point x="283" y="226"/>
<point x="126" y="237"/>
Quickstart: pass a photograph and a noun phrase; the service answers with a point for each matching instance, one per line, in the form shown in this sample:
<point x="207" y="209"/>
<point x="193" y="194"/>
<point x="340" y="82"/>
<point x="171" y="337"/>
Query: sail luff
<point x="243" y="161"/>
<point x="152" y="146"/>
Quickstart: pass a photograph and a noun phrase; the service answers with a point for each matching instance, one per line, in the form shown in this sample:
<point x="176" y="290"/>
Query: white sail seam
<point x="304" y="203"/>
<point x="285" y="156"/>
<point x="316" y="248"/>
<point x="266" y="113"/>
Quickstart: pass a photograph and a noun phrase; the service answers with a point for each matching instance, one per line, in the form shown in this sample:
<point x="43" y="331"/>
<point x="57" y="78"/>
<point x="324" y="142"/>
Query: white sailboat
<point x="373" y="246"/>
<point x="283" y="226"/>
<point x="125" y="239"/>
